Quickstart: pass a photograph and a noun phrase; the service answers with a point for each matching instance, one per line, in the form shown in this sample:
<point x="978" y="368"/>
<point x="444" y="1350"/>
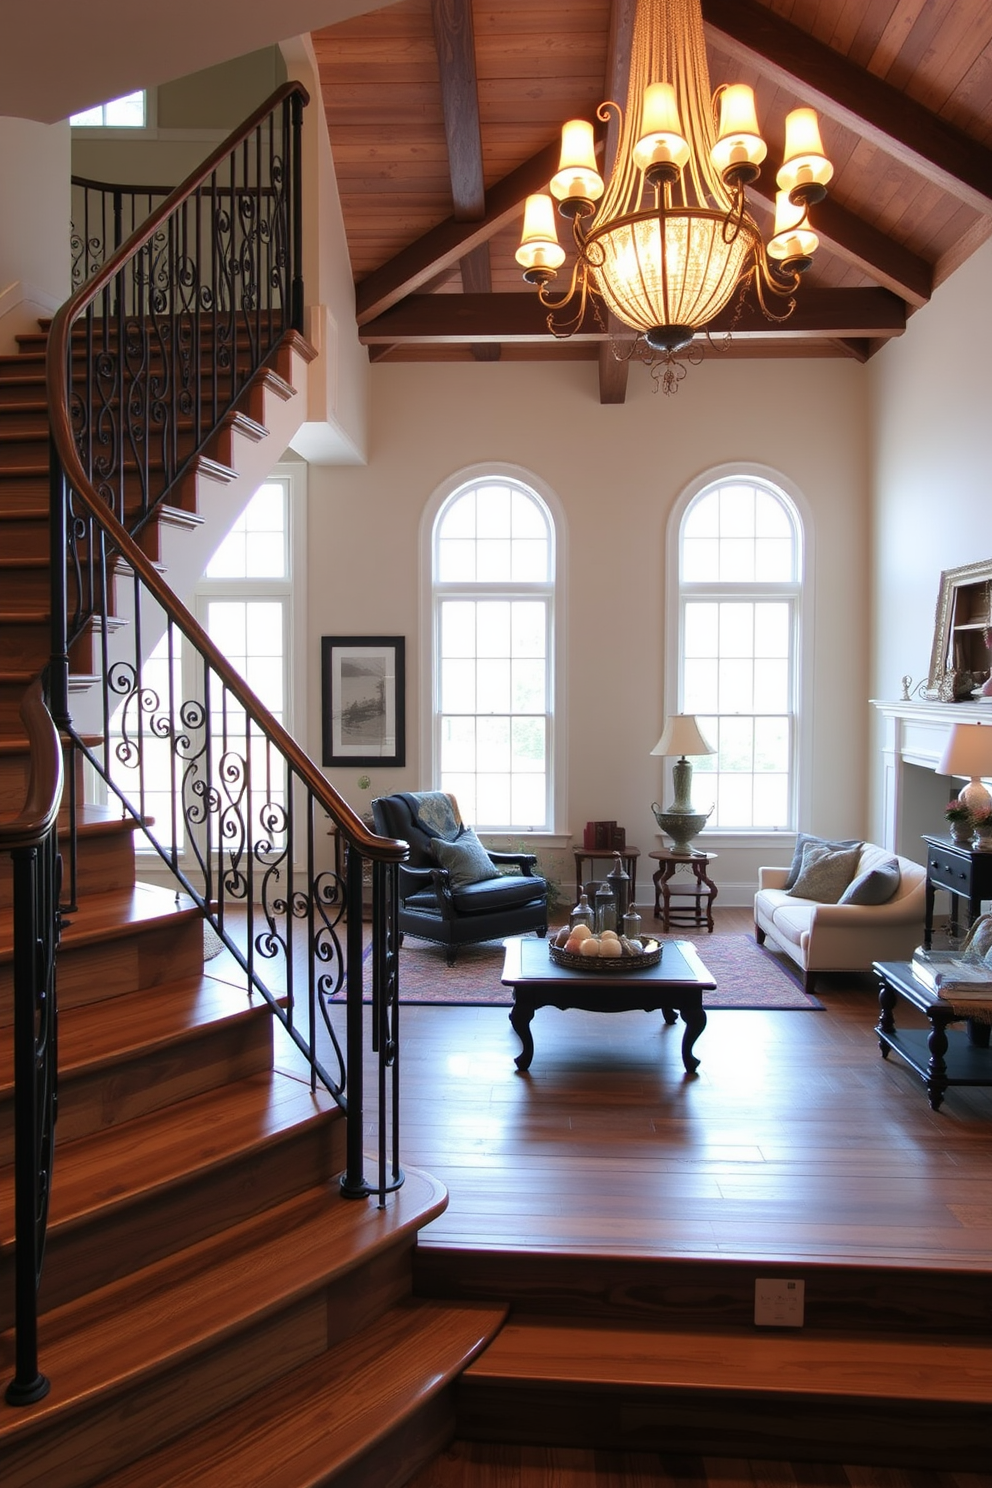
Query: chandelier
<point x="666" y="242"/>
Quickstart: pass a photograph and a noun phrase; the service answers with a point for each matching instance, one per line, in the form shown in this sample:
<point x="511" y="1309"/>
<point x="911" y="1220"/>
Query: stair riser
<point x="24" y="586"/>
<point x="17" y="386"/>
<point x="98" y="1097"/>
<point x="24" y="537"/>
<point x="23" y="492"/>
<point x="679" y="1294"/>
<point x="24" y="446"/>
<point x="149" y="957"/>
<point x="121" y="1238"/>
<point x="722" y="1424"/>
<point x="104" y="862"/>
<point x="75" y="1451"/>
<point x="28" y="645"/>
<point x="14" y="769"/>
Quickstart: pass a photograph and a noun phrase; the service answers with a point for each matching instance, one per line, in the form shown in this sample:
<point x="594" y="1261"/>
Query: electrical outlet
<point x="778" y="1304"/>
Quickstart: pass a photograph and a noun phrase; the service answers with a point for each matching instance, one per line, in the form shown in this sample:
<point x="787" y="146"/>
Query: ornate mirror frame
<point x="950" y="679"/>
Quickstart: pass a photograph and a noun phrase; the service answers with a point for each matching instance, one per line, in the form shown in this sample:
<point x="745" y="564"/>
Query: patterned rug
<point x="747" y="975"/>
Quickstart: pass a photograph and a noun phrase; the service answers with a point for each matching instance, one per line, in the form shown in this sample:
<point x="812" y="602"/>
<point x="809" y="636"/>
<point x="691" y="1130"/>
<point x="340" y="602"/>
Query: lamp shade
<point x="683" y="736"/>
<point x="968" y="751"/>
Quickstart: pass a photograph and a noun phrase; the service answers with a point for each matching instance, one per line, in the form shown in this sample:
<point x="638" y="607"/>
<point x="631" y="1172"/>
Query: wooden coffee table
<point x="675" y="985"/>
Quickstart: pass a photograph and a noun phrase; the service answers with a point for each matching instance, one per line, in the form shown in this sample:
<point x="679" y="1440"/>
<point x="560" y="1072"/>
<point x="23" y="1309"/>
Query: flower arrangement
<point x="956" y="811"/>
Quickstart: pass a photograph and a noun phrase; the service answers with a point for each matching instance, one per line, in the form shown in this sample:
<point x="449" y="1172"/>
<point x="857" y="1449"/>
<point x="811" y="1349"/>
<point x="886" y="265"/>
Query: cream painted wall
<point x="616" y="471"/>
<point x="930" y="473"/>
<point x="34" y="241"/>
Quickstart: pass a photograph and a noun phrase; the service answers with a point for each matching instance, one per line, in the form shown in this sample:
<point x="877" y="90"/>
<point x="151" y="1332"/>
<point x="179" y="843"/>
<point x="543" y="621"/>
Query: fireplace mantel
<point x="913" y="796"/>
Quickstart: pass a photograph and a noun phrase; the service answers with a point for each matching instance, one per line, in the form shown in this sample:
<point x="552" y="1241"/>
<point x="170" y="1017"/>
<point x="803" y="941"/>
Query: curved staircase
<point x="212" y="1310"/>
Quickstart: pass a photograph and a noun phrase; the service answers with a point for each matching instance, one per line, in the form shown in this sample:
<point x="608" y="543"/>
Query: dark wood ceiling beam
<point x="458" y="319"/>
<point x="864" y="103"/>
<point x="441" y="247"/>
<point x="856" y="241"/>
<point x="613" y="371"/>
<point x="454" y="40"/>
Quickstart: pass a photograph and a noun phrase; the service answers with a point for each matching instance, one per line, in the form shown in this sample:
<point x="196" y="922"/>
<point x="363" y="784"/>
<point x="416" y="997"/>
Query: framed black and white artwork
<point x="363" y="693"/>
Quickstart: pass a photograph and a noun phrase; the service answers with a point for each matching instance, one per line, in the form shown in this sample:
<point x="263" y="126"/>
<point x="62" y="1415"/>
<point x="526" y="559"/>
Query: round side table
<point x="698" y="892"/>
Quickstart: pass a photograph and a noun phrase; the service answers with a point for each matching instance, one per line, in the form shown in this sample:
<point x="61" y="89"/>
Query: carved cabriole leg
<point x="520" y="1015"/>
<point x="695" y="1022"/>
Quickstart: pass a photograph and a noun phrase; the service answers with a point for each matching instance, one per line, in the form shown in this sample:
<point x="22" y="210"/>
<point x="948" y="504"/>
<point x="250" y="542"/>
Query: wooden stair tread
<point x="323" y="1417"/>
<point x="102" y="917"/>
<point x="120" y="1165"/>
<point x="789" y="1362"/>
<point x="179" y="1306"/>
<point x="101" y="1034"/>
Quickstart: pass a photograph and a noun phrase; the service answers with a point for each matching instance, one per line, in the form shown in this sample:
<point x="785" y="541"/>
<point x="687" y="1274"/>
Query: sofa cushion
<point x="506" y="891"/>
<point x="874" y="885"/>
<point x="802" y="838"/>
<point x="465" y="859"/>
<point x="792" y="920"/>
<point x="825" y="872"/>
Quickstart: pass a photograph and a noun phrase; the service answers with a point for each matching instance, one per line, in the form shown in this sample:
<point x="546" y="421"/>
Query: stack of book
<point x="948" y="974"/>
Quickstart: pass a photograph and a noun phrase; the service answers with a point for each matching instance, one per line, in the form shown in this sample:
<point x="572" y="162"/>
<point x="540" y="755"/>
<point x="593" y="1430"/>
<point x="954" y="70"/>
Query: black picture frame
<point x="363" y="700"/>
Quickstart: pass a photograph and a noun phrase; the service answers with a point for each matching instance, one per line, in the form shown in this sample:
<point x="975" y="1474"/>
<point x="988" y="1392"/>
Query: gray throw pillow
<point x="826" y="872"/>
<point x="874" y="886"/>
<point x="465" y="859"/>
<point x="802" y="838"/>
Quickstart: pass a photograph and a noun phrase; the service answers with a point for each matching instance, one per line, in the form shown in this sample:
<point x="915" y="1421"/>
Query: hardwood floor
<point x="795" y="1139"/>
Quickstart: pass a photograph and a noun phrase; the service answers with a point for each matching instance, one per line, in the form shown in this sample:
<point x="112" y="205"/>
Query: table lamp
<point x="682" y="821"/>
<point x="968" y="751"/>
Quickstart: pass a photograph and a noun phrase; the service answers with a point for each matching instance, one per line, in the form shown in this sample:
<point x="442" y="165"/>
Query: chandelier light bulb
<point x="794" y="238"/>
<point x="540" y="253"/>
<point x="805" y="170"/>
<point x="739" y="149"/>
<point x="662" y="145"/>
<point x="578" y="175"/>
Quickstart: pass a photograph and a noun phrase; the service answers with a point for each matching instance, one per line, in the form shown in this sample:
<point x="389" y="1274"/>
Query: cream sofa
<point x="842" y="937"/>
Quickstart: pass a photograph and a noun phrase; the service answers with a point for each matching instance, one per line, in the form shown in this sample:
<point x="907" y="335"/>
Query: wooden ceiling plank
<point x="449" y="241"/>
<point x="455" y="43"/>
<point x="455" y="319"/>
<point x="878" y="256"/>
<point x="858" y="100"/>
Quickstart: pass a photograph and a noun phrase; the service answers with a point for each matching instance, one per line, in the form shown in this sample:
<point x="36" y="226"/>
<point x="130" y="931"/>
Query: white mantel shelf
<point x="914" y="733"/>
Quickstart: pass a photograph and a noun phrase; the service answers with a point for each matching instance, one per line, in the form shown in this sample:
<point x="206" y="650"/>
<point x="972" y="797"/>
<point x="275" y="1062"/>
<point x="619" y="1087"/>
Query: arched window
<point x="740" y="555"/>
<point x="493" y="589"/>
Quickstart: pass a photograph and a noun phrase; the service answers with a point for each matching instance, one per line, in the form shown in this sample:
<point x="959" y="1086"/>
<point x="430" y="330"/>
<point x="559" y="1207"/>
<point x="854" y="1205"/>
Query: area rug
<point x="747" y="976"/>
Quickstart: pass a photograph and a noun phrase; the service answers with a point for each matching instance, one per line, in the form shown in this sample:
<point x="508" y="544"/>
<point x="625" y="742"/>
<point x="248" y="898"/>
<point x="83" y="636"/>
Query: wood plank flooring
<point x="795" y="1140"/>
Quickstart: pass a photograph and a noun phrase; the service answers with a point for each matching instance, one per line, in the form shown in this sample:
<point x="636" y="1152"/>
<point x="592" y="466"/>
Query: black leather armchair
<point x="433" y="908"/>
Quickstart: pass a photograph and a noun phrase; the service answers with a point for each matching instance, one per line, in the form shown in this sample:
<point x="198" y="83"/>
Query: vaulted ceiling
<point x="444" y="114"/>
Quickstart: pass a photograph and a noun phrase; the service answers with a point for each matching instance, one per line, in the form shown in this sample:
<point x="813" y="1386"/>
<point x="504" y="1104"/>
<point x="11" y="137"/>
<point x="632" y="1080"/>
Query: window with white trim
<point x="740" y="580"/>
<point x="493" y="573"/>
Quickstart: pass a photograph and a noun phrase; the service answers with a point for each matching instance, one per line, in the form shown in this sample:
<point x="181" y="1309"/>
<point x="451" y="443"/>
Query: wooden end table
<point x="701" y="890"/>
<point x="675" y="985"/>
<point x="584" y="855"/>
<point x="940" y="1058"/>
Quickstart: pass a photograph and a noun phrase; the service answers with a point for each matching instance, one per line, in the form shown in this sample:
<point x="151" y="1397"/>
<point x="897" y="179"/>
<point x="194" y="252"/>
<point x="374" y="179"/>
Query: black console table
<point x="965" y="874"/>
<point x="940" y="1057"/>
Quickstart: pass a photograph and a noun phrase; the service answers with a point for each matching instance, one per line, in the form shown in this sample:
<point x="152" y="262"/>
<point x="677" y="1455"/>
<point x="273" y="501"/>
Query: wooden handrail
<point x="45" y="781"/>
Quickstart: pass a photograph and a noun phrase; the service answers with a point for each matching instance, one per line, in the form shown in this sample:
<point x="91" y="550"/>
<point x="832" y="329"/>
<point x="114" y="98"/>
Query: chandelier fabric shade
<point x="667" y="240"/>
